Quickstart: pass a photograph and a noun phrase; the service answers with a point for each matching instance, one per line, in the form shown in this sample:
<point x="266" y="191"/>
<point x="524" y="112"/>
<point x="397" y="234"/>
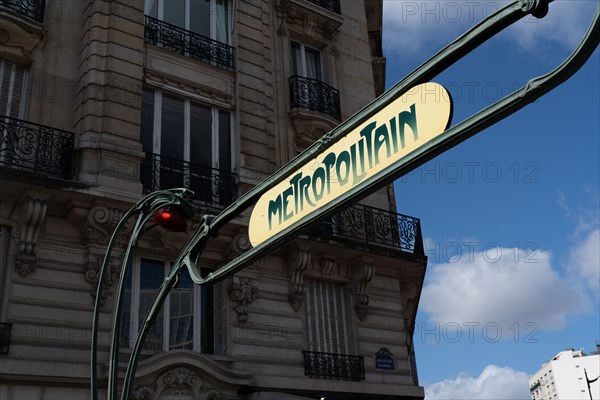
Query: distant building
<point x="563" y="377"/>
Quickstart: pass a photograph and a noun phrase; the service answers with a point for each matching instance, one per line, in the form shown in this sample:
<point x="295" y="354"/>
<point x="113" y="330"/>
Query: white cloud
<point x="500" y="286"/>
<point x="494" y="383"/>
<point x="585" y="260"/>
<point x="412" y="27"/>
<point x="564" y="25"/>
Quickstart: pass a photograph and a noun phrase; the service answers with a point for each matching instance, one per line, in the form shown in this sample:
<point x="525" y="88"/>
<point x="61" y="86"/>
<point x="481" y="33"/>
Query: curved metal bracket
<point x="489" y="27"/>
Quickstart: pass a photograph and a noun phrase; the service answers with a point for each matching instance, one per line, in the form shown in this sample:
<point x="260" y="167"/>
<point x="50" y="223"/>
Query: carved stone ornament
<point x="298" y="260"/>
<point x="409" y="293"/>
<point x="177" y="382"/>
<point x="240" y="243"/>
<point x="92" y="275"/>
<point x="101" y="223"/>
<point x="362" y="272"/>
<point x="35" y="206"/>
<point x="143" y="393"/>
<point x="180" y="377"/>
<point x="243" y="293"/>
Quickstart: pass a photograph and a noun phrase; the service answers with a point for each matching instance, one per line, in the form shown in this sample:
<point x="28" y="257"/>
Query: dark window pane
<point x="207" y="315"/>
<point x="225" y="181"/>
<point x="172" y="127"/>
<point x="152" y="274"/>
<point x="296" y="59"/>
<point x="201" y="179"/>
<point x="174" y="12"/>
<point x="222" y="21"/>
<point x="171" y="146"/>
<point x="181" y="318"/>
<point x="200" y="17"/>
<point x="224" y="141"/>
<point x="200" y="135"/>
<point x="147" y="121"/>
<point x="313" y="64"/>
<point x="151" y="8"/>
<point x="125" y="326"/>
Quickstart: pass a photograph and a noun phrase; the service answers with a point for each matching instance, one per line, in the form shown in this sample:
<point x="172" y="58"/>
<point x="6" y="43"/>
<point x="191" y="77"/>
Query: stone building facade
<point x="103" y="101"/>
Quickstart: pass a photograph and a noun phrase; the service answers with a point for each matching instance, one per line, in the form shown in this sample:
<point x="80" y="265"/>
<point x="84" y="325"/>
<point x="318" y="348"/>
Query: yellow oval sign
<point x="401" y="127"/>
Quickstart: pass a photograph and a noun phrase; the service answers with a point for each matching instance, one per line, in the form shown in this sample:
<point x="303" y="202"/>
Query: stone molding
<point x="35" y="206"/>
<point x="308" y="19"/>
<point x="243" y="293"/>
<point x="362" y="273"/>
<point x="100" y="224"/>
<point x="298" y="261"/>
<point x="92" y="273"/>
<point x="175" y="382"/>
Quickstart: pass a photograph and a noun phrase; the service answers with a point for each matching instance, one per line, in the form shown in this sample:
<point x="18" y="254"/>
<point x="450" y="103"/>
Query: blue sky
<point x="511" y="217"/>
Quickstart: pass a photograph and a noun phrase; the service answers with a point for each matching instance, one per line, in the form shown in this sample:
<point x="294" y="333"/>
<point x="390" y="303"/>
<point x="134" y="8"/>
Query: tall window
<point x="193" y="141"/>
<point x="306" y="61"/>
<point x="4" y="236"/>
<point x="209" y="18"/>
<point x="324" y="317"/>
<point x="12" y="89"/>
<point x="186" y="320"/>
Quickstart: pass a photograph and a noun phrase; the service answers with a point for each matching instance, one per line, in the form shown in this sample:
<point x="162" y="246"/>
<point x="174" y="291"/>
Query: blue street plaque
<point x="384" y="359"/>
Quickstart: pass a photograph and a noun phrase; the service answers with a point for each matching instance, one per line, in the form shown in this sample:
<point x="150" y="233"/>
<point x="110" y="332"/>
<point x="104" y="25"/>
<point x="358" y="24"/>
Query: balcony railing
<point x="333" y="366"/>
<point x="314" y="95"/>
<point x="373" y="226"/>
<point x="33" y="9"/>
<point x="214" y="189"/>
<point x="36" y="148"/>
<point x="376" y="44"/>
<point x="331" y="5"/>
<point x="189" y="44"/>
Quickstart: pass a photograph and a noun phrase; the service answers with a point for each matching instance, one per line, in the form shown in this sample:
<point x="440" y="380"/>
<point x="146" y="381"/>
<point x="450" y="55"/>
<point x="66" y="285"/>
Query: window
<point x="186" y="320"/>
<point x="324" y="317"/>
<point x="12" y="89"/>
<point x="190" y="146"/>
<point x="209" y="18"/>
<point x="4" y="236"/>
<point x="306" y="62"/>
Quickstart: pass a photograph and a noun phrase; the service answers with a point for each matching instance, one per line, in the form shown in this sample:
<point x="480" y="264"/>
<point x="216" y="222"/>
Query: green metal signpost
<point x="293" y="199"/>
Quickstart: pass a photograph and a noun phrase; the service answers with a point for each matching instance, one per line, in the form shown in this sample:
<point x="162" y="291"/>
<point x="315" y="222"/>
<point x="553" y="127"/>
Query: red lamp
<point x="172" y="218"/>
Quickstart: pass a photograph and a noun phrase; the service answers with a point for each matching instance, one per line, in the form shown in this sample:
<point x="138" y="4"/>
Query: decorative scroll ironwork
<point x="331" y="5"/>
<point x="333" y="366"/>
<point x="376" y="44"/>
<point x="35" y="147"/>
<point x="33" y="9"/>
<point x="314" y="95"/>
<point x="189" y="44"/>
<point x="214" y="189"/>
<point x="373" y="226"/>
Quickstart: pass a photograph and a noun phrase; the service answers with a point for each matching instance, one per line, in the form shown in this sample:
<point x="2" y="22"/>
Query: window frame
<point x="215" y="128"/>
<point x="135" y="317"/>
<point x="24" y="87"/>
<point x="160" y="13"/>
<point x="303" y="71"/>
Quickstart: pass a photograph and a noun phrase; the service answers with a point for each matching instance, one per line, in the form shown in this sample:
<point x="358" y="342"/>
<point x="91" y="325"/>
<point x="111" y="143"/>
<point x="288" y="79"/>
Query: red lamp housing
<point x="172" y="218"/>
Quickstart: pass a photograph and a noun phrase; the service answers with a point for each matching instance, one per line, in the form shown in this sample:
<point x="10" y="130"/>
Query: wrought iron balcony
<point x="330" y="5"/>
<point x="214" y="189"/>
<point x="376" y="44"/>
<point x="33" y="9"/>
<point x="373" y="226"/>
<point x="188" y="44"/>
<point x="36" y="148"/>
<point x="333" y="366"/>
<point x="314" y="95"/>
